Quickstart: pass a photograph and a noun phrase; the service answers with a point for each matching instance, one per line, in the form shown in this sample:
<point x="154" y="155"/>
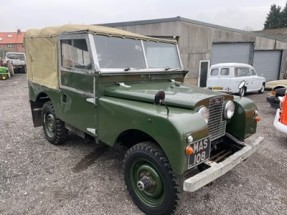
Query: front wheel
<point x="54" y="129"/>
<point x="150" y="180"/>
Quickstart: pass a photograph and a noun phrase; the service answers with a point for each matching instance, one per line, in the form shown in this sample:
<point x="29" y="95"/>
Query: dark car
<point x="273" y="98"/>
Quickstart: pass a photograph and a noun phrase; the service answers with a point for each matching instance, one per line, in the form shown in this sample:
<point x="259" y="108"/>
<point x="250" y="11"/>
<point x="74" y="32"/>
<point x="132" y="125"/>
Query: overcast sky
<point x="239" y="14"/>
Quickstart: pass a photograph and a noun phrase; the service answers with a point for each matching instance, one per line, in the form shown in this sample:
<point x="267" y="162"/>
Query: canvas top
<point x="102" y="30"/>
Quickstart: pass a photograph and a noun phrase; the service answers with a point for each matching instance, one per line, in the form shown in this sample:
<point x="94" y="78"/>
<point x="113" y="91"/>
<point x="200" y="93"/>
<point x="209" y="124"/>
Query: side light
<point x="189" y="150"/>
<point x="257" y="117"/>
<point x="273" y="93"/>
<point x="229" y="109"/>
<point x="189" y="139"/>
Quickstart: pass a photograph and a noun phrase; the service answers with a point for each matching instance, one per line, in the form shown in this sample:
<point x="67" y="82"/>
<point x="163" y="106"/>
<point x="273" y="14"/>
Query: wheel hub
<point x="145" y="183"/>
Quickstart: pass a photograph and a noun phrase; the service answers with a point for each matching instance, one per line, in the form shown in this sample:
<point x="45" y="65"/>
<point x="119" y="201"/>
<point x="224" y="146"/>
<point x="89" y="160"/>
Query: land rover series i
<point x="125" y="89"/>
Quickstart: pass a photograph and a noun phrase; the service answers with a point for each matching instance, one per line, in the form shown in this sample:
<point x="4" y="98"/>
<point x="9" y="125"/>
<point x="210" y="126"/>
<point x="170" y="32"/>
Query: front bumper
<point x="277" y="124"/>
<point x="218" y="169"/>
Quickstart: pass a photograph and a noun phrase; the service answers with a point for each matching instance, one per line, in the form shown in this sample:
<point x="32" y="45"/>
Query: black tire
<point x="261" y="89"/>
<point x="54" y="129"/>
<point x="150" y="180"/>
<point x="242" y="91"/>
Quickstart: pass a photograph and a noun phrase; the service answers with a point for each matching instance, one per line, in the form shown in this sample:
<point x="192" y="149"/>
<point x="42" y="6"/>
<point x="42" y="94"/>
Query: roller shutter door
<point x="267" y="63"/>
<point x="232" y="53"/>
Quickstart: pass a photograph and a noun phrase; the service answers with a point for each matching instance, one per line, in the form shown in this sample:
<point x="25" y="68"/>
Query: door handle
<point x="64" y="98"/>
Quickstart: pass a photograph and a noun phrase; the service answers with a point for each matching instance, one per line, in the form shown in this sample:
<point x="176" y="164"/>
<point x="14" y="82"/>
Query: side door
<point x="77" y="83"/>
<point x="255" y="79"/>
<point x="244" y="74"/>
<point x="249" y="79"/>
<point x="224" y="79"/>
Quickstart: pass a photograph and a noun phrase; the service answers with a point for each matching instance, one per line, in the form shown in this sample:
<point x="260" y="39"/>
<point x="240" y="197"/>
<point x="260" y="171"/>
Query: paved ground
<point x="79" y="178"/>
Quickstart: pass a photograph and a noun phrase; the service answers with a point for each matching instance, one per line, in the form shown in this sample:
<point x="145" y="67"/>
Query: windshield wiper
<point x="127" y="69"/>
<point x="171" y="69"/>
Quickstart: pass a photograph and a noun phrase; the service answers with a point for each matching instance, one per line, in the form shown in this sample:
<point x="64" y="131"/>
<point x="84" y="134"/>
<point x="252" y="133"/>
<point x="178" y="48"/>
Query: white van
<point x="18" y="60"/>
<point x="227" y="77"/>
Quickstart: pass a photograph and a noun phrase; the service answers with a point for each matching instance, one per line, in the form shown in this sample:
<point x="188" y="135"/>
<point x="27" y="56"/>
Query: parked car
<point x="123" y="89"/>
<point x="280" y="120"/>
<point x="4" y="73"/>
<point x="273" y="98"/>
<point x="227" y="77"/>
<point x="18" y="60"/>
<point x="272" y="85"/>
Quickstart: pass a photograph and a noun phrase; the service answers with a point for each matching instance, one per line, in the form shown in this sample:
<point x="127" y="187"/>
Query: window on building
<point x="9" y="35"/>
<point x="10" y="45"/>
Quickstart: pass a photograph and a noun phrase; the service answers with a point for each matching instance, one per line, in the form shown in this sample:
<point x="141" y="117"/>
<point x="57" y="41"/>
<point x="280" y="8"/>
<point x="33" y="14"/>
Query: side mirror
<point x="159" y="97"/>
<point x="242" y="84"/>
<point x="241" y="88"/>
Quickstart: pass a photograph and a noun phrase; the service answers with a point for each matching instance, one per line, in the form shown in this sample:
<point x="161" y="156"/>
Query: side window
<point x="214" y="72"/>
<point x="224" y="71"/>
<point x="253" y="72"/>
<point x="247" y="72"/>
<point x="75" y="61"/>
<point x="74" y="54"/>
<point x="239" y="72"/>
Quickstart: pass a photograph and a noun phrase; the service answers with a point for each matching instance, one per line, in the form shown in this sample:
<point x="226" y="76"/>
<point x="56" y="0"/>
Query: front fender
<point x="170" y="132"/>
<point x="243" y="124"/>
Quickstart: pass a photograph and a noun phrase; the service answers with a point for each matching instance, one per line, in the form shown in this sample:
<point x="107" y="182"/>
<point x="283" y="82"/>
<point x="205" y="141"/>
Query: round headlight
<point x="204" y="112"/>
<point x="229" y="110"/>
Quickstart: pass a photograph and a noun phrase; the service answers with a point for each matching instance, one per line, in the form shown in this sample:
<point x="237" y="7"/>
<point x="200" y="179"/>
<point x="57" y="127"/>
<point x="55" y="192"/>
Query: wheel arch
<point x="131" y="137"/>
<point x="37" y="107"/>
<point x="278" y="87"/>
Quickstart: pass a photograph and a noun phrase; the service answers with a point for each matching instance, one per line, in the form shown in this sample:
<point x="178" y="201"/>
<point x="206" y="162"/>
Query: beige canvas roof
<point x="41" y="49"/>
<point x="55" y="31"/>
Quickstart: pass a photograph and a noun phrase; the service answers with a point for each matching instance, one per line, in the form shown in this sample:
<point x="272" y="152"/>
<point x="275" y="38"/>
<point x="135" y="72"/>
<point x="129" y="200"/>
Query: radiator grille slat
<point x="216" y="125"/>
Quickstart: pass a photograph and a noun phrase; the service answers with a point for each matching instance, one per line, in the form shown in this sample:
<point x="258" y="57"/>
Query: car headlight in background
<point x="204" y="112"/>
<point x="229" y="109"/>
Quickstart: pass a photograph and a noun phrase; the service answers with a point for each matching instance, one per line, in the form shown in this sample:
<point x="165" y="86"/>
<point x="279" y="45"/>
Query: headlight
<point x="229" y="110"/>
<point x="204" y="112"/>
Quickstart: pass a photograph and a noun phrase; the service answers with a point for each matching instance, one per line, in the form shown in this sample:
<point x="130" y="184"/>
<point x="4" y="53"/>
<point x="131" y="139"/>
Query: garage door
<point x="267" y="63"/>
<point x="232" y="53"/>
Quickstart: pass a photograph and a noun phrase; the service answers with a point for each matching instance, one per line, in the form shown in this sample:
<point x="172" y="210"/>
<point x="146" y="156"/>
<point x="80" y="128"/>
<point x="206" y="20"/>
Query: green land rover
<point x="124" y="89"/>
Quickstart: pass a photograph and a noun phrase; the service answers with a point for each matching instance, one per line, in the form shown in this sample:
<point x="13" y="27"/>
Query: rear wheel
<point x="54" y="129"/>
<point x="150" y="180"/>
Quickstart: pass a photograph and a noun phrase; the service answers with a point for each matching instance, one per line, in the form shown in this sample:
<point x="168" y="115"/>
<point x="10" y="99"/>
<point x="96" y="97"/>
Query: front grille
<point x="216" y="126"/>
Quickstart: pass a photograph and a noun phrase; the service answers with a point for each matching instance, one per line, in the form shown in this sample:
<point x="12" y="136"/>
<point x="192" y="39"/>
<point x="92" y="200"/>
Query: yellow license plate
<point x="217" y="88"/>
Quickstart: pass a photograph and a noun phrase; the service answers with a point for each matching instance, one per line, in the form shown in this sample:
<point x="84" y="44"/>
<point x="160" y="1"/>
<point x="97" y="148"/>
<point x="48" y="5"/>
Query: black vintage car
<point x="273" y="98"/>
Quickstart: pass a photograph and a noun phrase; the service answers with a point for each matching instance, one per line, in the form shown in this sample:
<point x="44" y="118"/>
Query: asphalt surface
<point x="81" y="177"/>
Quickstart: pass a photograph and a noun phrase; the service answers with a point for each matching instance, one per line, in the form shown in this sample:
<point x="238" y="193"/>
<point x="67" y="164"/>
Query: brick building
<point x="11" y="41"/>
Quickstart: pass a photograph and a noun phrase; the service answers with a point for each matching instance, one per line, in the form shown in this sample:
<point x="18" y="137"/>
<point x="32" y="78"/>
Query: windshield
<point x="15" y="56"/>
<point x="115" y="52"/>
<point x="161" y="55"/>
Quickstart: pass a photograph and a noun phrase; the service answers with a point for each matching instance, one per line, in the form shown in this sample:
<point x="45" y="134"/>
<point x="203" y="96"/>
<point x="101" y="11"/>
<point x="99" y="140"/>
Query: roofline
<point x="182" y="19"/>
